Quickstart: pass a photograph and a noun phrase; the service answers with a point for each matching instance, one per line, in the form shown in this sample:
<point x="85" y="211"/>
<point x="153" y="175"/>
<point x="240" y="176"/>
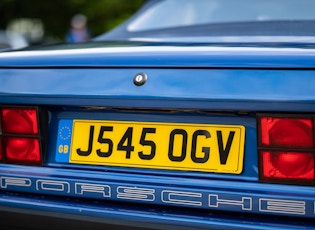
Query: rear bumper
<point x="21" y="211"/>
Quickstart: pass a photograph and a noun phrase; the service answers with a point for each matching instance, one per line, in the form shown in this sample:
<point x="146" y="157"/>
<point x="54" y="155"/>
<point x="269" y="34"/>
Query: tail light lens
<point x="286" y="149"/>
<point x="20" y="136"/>
<point x="20" y="121"/>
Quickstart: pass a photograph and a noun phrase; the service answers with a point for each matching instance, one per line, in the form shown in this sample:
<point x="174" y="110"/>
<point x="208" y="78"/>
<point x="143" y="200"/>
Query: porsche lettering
<point x="175" y="197"/>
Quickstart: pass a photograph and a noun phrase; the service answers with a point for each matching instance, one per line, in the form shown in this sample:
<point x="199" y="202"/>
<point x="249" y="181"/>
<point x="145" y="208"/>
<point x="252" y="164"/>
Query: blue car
<point x="190" y="115"/>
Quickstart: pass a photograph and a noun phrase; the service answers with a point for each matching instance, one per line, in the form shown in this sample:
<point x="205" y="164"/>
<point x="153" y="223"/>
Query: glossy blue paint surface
<point x="208" y="85"/>
<point x="133" y="216"/>
<point x="161" y="55"/>
<point x="156" y="190"/>
<point x="165" y="88"/>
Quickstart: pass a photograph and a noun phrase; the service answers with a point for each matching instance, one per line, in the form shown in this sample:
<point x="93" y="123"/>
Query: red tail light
<point x="20" y="136"/>
<point x="286" y="149"/>
<point x="20" y="121"/>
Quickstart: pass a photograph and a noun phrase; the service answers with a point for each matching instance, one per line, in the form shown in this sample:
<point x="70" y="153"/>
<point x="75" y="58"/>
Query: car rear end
<point x="162" y="136"/>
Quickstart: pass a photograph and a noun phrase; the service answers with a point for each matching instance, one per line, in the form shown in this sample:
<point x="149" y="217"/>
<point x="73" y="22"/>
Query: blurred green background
<point x="43" y="22"/>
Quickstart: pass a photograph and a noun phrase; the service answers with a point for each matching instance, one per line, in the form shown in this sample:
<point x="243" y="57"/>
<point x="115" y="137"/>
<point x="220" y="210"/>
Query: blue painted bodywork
<point x="194" y="84"/>
<point x="165" y="55"/>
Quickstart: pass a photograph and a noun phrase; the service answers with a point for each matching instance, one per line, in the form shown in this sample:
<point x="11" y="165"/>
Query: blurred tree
<point x="56" y="15"/>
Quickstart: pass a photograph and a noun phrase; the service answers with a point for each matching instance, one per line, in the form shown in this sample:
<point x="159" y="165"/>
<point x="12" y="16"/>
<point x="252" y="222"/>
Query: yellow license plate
<point x="173" y="146"/>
